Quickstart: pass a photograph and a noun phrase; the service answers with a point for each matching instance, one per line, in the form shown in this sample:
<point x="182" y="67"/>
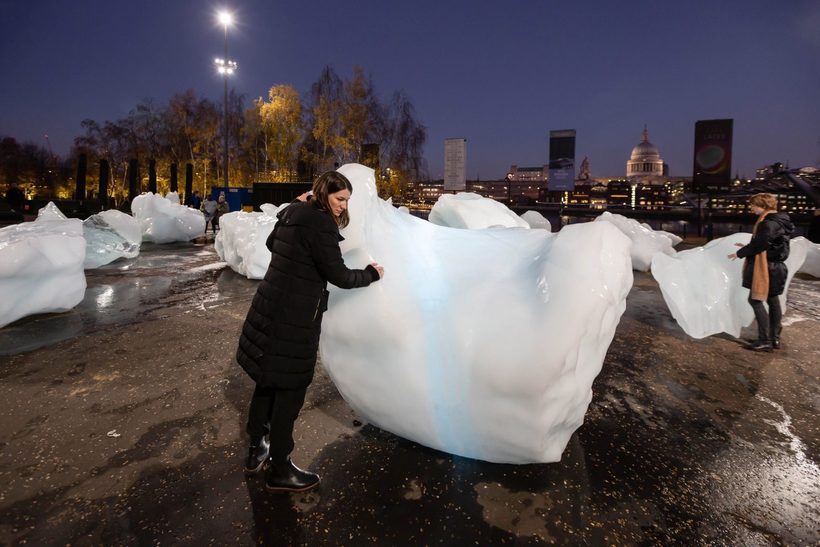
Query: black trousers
<point x="273" y="412"/>
<point x="768" y="324"/>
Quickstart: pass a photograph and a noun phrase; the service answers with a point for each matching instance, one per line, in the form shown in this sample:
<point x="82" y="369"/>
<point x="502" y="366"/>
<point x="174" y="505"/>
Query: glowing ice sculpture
<point x="537" y="220"/>
<point x="811" y="265"/>
<point x="242" y="237"/>
<point x="645" y="241"/>
<point x="110" y="235"/>
<point x="41" y="266"/>
<point x="163" y="221"/>
<point x="703" y="288"/>
<point x="471" y="211"/>
<point x="173" y="197"/>
<point x="481" y="343"/>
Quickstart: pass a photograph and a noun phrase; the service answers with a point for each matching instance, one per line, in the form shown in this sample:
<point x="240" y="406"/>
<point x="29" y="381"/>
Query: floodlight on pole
<point x="225" y="67"/>
<point x="225" y="18"/>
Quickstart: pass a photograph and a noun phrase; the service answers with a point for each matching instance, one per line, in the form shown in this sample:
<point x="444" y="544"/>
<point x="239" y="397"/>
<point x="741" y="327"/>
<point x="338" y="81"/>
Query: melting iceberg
<point x="163" y="221"/>
<point x="41" y="266"/>
<point x="468" y="210"/>
<point x="675" y="239"/>
<point x="481" y="343"/>
<point x="703" y="288"/>
<point x="50" y="212"/>
<point x="241" y="240"/>
<point x="110" y="235"/>
<point x="645" y="241"/>
<point x="536" y="220"/>
<point x="811" y="265"/>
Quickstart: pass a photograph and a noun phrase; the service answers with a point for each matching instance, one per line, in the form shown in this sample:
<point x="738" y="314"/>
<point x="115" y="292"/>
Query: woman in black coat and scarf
<point x="765" y="271"/>
<point x="280" y="336"/>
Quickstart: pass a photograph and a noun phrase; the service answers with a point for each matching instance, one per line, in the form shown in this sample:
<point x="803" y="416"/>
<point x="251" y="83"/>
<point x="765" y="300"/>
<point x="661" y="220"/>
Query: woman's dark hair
<point x="328" y="183"/>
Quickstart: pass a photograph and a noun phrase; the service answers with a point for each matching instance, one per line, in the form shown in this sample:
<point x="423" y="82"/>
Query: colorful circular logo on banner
<point x="712" y="158"/>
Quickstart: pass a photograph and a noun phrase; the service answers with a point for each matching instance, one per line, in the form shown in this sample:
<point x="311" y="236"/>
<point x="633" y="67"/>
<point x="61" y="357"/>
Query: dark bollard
<point x="105" y="172"/>
<point x="174" y="177"/>
<point x="82" y="165"/>
<point x="133" y="177"/>
<point x="189" y="181"/>
<point x="152" y="176"/>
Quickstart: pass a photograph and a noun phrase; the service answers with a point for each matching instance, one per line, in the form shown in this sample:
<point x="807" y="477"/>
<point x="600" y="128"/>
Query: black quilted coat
<point x="280" y="337"/>
<point x="773" y="237"/>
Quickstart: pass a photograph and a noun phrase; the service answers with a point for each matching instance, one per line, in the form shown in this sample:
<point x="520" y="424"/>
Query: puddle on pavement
<point x="181" y="276"/>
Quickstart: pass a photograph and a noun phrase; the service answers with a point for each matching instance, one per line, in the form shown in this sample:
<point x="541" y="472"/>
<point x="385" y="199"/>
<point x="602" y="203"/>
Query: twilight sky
<point x="500" y="74"/>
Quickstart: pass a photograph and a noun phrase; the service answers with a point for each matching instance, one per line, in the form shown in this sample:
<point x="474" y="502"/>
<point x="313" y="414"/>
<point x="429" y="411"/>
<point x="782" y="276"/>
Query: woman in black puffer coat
<point x="765" y="271"/>
<point x="280" y="337"/>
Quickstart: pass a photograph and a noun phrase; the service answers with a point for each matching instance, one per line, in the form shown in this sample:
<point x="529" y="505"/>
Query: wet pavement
<point x="122" y="423"/>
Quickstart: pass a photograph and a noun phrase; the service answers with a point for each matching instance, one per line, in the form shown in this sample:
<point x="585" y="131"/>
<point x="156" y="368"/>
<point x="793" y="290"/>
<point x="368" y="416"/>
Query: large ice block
<point x="536" y="220"/>
<point x="469" y="210"/>
<point x="703" y="288"/>
<point x="811" y="265"/>
<point x="163" y="221"/>
<point x="481" y="343"/>
<point x="645" y="241"/>
<point x="241" y="240"/>
<point x="41" y="266"/>
<point x="110" y="235"/>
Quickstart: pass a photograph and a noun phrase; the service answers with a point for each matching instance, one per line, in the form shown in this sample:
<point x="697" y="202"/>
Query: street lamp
<point x="225" y="67"/>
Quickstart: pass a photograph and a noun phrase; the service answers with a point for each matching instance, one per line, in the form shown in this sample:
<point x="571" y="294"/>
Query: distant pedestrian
<point x="209" y="208"/>
<point x="280" y="336"/>
<point x="765" y="271"/>
<point x="194" y="200"/>
<point x="222" y="207"/>
<point x="15" y="197"/>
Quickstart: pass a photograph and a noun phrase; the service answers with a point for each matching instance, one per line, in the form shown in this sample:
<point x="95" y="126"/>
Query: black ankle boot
<point x="284" y="476"/>
<point x="760" y="345"/>
<point x="776" y="337"/>
<point x="257" y="454"/>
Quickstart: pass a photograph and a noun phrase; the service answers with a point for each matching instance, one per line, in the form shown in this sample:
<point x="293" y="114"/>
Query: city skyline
<point x="500" y="76"/>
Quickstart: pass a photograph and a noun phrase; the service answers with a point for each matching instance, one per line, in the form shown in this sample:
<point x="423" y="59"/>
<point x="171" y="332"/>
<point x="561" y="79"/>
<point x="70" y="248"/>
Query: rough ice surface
<point x="481" y="343"/>
<point x="537" y="220"/>
<point x="703" y="288"/>
<point x="675" y="239"/>
<point x="811" y="265"/>
<point x="471" y="211"/>
<point x="645" y="241"/>
<point x="50" y="212"/>
<point x="241" y="240"/>
<point x="173" y="197"/>
<point x="41" y="266"/>
<point x="165" y="222"/>
<point x="110" y="235"/>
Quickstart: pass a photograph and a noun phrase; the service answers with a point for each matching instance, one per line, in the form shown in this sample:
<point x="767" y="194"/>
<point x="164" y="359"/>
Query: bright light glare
<point x="225" y="18"/>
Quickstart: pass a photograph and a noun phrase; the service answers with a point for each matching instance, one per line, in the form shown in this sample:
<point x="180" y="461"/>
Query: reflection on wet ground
<point x="129" y="431"/>
<point x="162" y="279"/>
